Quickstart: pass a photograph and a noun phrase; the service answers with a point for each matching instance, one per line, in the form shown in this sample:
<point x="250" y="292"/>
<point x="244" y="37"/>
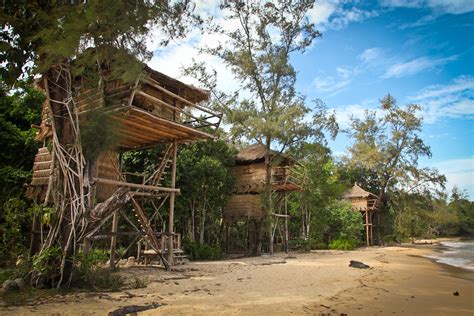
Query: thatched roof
<point x="253" y="153"/>
<point x="357" y="192"/>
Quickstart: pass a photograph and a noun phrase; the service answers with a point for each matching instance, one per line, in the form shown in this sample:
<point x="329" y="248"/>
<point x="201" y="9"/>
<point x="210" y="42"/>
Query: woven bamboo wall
<point x="249" y="178"/>
<point x="243" y="206"/>
<point x="41" y="171"/>
<point x="359" y="204"/>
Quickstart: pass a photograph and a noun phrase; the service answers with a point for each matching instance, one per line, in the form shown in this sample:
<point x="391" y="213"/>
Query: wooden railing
<point x="283" y="175"/>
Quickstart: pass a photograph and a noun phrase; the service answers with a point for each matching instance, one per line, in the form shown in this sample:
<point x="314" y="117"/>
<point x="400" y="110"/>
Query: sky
<point x="419" y="51"/>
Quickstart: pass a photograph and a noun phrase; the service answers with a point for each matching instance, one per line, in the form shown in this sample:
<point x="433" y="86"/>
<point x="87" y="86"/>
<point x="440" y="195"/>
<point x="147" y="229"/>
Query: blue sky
<point x="421" y="51"/>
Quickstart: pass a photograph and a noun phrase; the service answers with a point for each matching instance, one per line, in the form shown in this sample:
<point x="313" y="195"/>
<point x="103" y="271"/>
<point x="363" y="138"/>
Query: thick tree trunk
<point x="268" y="194"/>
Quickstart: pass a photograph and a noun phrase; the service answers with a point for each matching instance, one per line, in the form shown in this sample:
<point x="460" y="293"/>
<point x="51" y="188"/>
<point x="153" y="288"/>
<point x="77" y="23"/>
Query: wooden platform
<point x="138" y="128"/>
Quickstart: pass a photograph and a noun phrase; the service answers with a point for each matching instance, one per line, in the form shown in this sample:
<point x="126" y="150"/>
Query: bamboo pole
<point x="113" y="239"/>
<point x="136" y="186"/>
<point x="172" y="198"/>
<point x="367" y="227"/>
<point x="286" y="223"/>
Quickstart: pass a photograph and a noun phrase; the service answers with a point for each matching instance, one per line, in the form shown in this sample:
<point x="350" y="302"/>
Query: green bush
<point x="89" y="274"/>
<point x="343" y="244"/>
<point x="195" y="251"/>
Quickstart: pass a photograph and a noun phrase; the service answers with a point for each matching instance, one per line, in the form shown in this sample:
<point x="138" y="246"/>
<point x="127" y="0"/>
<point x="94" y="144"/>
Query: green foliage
<point x="47" y="264"/>
<point x="205" y="182"/>
<point x="195" y="251"/>
<point x="343" y="244"/>
<point x="89" y="274"/>
<point x="14" y="228"/>
<point x="18" y="110"/>
<point x="99" y="133"/>
<point x="51" y="32"/>
<point x="345" y="223"/>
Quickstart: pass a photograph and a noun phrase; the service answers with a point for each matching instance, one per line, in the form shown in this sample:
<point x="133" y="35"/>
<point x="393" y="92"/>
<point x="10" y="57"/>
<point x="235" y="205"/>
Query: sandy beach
<point x="399" y="282"/>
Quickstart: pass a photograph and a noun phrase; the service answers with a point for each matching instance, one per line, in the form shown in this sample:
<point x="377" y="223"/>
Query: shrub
<point x="88" y="273"/>
<point x="343" y="244"/>
<point x="195" y="251"/>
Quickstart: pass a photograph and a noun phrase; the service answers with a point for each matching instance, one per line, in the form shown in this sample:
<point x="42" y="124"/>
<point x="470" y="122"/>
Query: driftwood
<point x="133" y="309"/>
<point x="358" y="264"/>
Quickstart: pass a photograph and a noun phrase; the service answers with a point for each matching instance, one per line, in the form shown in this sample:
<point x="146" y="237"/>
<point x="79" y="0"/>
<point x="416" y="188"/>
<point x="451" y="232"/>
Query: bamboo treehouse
<point x="155" y="110"/>
<point x="245" y="206"/>
<point x="363" y="202"/>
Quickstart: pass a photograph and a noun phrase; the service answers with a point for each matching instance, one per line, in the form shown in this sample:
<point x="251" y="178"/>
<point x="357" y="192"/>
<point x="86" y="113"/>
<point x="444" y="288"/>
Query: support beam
<point x="113" y="240"/>
<point x="172" y="198"/>
<point x="367" y="227"/>
<point x="286" y="223"/>
<point x="136" y="186"/>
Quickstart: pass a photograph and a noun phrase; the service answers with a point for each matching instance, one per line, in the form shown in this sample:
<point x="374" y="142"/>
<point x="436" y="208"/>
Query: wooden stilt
<point x="113" y="239"/>
<point x="367" y="227"/>
<point x="286" y="224"/>
<point x="86" y="246"/>
<point x="171" y="215"/>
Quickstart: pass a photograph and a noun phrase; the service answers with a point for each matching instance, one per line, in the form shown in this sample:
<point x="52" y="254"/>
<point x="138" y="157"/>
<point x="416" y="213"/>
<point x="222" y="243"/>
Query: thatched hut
<point x="364" y="202"/>
<point x="249" y="173"/>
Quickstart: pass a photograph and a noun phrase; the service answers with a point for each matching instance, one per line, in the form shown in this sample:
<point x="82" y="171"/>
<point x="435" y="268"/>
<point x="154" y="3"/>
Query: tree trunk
<point x="201" y="231"/>
<point x="268" y="194"/>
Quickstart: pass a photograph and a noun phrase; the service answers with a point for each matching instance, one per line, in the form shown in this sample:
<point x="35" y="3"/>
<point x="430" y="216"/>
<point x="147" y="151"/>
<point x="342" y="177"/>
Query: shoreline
<point x="400" y="281"/>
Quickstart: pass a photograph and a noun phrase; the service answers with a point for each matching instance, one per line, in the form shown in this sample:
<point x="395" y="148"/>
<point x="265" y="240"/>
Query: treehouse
<point x="363" y="202"/>
<point x="155" y="110"/>
<point x="249" y="175"/>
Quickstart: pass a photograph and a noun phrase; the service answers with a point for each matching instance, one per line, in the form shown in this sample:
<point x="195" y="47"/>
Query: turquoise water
<point x="456" y="253"/>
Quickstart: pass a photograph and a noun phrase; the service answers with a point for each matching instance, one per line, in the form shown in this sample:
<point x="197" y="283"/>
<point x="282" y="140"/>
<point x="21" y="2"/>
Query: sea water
<point x="456" y="253"/>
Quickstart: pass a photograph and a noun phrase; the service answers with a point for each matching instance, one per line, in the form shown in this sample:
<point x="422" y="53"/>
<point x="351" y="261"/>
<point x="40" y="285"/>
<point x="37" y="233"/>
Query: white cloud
<point x="336" y="14"/>
<point x="334" y="84"/>
<point x="438" y="6"/>
<point x="370" y="54"/>
<point x="453" y="100"/>
<point x="346" y="112"/>
<point x="415" y="66"/>
<point x="458" y="172"/>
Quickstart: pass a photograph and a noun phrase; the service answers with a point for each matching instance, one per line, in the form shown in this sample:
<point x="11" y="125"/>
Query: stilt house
<point x="249" y="173"/>
<point x="364" y="202"/>
<point x="155" y="110"/>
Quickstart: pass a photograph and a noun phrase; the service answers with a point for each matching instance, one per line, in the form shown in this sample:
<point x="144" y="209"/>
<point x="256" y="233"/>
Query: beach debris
<point x="133" y="309"/>
<point x="456" y="293"/>
<point x="358" y="264"/>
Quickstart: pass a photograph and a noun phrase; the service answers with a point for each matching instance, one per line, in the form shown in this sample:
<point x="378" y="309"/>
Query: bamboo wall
<point x="359" y="204"/>
<point x="40" y="178"/>
<point x="249" y="178"/>
<point x="243" y="206"/>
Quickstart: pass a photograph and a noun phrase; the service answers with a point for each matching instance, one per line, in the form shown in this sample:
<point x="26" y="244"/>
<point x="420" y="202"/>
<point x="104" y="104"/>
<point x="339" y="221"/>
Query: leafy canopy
<point x="258" y="50"/>
<point x="43" y="33"/>
<point x="390" y="146"/>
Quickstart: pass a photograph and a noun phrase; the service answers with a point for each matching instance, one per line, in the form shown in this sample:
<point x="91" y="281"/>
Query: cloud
<point x="336" y="14"/>
<point x="333" y="85"/>
<point x="415" y="66"/>
<point x="370" y="54"/>
<point x="437" y="6"/>
<point x="453" y="100"/>
<point x="458" y="172"/>
<point x="346" y="112"/>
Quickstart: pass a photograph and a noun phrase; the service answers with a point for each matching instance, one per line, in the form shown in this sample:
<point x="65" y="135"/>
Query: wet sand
<point x="399" y="282"/>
